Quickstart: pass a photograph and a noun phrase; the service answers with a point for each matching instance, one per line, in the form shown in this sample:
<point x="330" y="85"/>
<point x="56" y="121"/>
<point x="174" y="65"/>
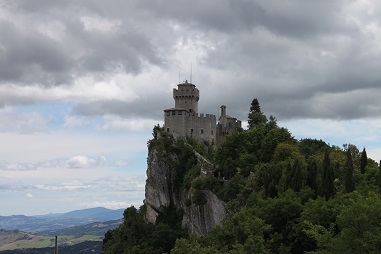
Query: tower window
<point x="167" y="129"/>
<point x="202" y="131"/>
<point x="212" y="132"/>
<point x="191" y="130"/>
<point x="173" y="112"/>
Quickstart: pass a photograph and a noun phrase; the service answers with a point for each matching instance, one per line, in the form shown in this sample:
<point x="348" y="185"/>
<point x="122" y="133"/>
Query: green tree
<point x="156" y="130"/>
<point x="271" y="141"/>
<point x="312" y="175"/>
<point x="352" y="148"/>
<point x="136" y="236"/>
<point x="379" y="177"/>
<point x="192" y="246"/>
<point x="282" y="213"/>
<point x="349" y="181"/>
<point x="364" y="161"/>
<point x="131" y="236"/>
<point x="269" y="175"/>
<point x="243" y="229"/>
<point x="310" y="147"/>
<point x="228" y="154"/>
<point x="296" y="177"/>
<point x="256" y="117"/>
<point x="328" y="178"/>
<point x="358" y="225"/>
<point x="285" y="151"/>
<point x="271" y="124"/>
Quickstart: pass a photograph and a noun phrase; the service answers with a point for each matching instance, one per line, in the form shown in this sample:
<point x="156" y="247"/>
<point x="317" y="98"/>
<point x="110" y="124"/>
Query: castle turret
<point x="226" y="124"/>
<point x="223" y="116"/>
<point x="186" y="97"/>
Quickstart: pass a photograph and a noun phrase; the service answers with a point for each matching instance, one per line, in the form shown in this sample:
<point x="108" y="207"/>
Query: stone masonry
<point x="184" y="119"/>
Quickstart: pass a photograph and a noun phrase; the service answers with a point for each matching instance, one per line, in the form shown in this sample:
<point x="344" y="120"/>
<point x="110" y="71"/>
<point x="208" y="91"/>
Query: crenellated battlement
<point x="204" y="116"/>
<point x="181" y="112"/>
<point x="186" y="92"/>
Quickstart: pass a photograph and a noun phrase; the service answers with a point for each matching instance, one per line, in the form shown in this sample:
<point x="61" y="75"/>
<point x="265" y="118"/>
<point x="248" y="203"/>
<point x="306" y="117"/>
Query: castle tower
<point x="184" y="120"/>
<point x="223" y="119"/>
<point x="186" y="97"/>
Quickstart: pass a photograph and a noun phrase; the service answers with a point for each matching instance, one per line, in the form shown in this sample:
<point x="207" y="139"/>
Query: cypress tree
<point x="328" y="187"/>
<point x="289" y="176"/>
<point x="256" y="116"/>
<point x="255" y="107"/>
<point x="379" y="177"/>
<point x="349" y="181"/>
<point x="364" y="161"/>
<point x="312" y="173"/>
<point x="297" y="178"/>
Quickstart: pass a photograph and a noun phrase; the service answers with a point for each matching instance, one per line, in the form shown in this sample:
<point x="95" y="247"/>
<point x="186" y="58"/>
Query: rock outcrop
<point x="161" y="191"/>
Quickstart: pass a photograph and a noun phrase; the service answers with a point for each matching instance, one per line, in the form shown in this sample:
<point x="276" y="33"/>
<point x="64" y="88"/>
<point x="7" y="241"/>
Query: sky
<point x="83" y="82"/>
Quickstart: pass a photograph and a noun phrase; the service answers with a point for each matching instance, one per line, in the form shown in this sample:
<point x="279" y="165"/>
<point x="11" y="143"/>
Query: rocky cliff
<point x="165" y="187"/>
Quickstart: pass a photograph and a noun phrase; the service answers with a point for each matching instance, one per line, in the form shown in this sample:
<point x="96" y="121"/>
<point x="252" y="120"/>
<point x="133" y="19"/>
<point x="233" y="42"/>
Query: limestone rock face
<point x="160" y="193"/>
<point x="159" y="186"/>
<point x="201" y="219"/>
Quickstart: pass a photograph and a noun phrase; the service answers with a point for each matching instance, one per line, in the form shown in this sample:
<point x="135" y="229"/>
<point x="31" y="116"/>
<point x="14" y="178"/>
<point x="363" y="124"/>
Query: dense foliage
<point x="283" y="196"/>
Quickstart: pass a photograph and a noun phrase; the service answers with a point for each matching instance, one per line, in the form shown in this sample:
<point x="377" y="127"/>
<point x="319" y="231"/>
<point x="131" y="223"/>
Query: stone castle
<point x="184" y="119"/>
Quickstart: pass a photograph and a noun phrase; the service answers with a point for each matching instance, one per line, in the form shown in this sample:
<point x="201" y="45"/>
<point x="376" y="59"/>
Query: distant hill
<point x="95" y="228"/>
<point x="78" y="239"/>
<point x="51" y="222"/>
<point x="98" y="213"/>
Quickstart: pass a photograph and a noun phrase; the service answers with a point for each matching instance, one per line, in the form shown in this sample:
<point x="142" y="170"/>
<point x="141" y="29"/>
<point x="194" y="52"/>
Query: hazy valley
<point x="80" y="230"/>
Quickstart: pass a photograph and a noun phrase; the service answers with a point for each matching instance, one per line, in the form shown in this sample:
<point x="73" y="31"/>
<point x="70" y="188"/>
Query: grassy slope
<point x="10" y="240"/>
<point x="15" y="239"/>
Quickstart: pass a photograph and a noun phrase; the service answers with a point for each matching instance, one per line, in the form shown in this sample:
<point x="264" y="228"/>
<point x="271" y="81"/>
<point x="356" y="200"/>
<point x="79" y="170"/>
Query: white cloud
<point x="16" y="166"/>
<point x="76" y="161"/>
<point x="74" y="121"/>
<point x="81" y="161"/>
<point x="29" y="195"/>
<point x="127" y="124"/>
<point x="74" y="185"/>
<point x="64" y="144"/>
<point x="12" y="120"/>
<point x="120" y="163"/>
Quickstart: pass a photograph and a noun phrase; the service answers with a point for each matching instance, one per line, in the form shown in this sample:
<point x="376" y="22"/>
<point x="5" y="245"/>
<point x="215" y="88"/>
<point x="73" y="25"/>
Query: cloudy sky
<point x="82" y="83"/>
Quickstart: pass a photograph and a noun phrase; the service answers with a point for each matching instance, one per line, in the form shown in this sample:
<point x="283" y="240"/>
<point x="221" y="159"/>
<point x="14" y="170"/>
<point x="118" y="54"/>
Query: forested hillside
<point x="282" y="195"/>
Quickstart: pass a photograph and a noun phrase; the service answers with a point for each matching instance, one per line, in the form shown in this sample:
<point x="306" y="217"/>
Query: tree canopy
<point x="282" y="196"/>
<point x="256" y="116"/>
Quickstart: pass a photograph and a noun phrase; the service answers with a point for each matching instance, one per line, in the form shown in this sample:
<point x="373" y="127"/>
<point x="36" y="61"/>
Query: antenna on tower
<point x="191" y="75"/>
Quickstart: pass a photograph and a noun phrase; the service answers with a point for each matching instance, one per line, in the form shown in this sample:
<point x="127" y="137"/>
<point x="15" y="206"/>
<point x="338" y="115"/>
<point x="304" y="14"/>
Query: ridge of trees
<point x="283" y="195"/>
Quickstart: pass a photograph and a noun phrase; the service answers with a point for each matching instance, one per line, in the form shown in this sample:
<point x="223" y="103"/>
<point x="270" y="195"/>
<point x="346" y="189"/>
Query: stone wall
<point x="199" y="126"/>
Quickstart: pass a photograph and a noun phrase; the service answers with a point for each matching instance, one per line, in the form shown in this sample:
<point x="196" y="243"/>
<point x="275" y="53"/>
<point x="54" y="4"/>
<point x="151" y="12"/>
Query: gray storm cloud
<point x="301" y="59"/>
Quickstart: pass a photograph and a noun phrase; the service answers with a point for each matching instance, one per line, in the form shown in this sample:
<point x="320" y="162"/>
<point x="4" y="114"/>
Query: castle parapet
<point x="204" y="116"/>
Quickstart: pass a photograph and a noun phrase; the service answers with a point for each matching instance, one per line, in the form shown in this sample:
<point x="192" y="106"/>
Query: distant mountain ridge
<point x="59" y="221"/>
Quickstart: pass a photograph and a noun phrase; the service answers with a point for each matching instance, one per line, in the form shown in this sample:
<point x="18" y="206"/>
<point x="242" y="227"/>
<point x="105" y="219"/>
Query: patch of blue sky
<point x="52" y="112"/>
